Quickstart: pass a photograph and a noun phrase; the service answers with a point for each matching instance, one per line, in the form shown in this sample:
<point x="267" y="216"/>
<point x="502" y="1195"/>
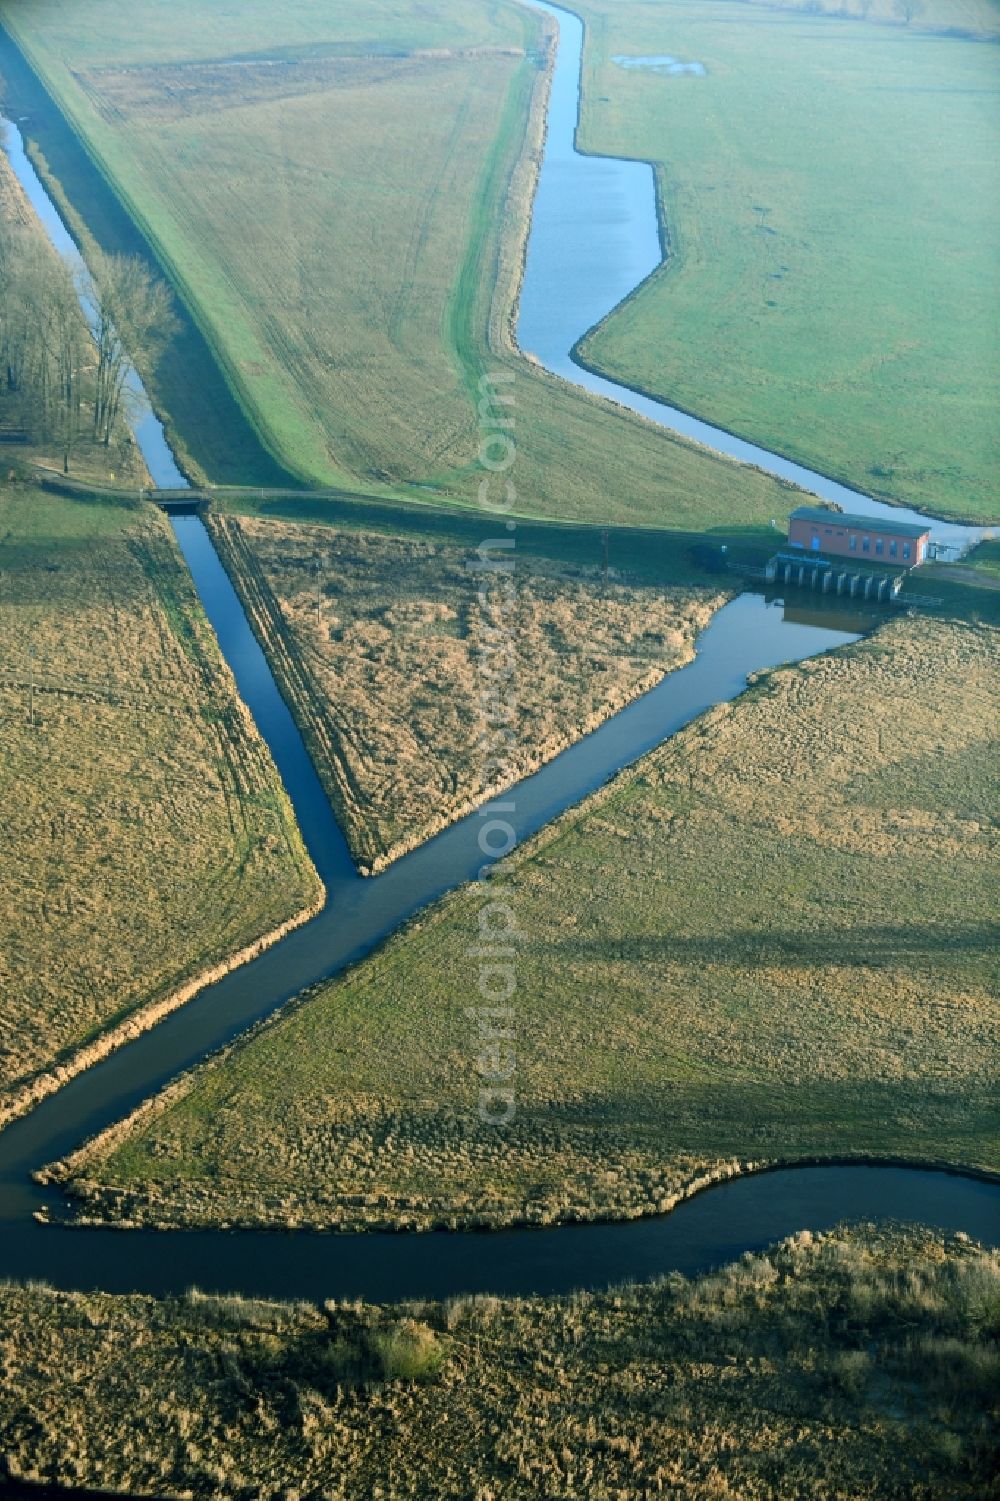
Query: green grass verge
<point x="205" y="424"/>
<point x="985" y="558"/>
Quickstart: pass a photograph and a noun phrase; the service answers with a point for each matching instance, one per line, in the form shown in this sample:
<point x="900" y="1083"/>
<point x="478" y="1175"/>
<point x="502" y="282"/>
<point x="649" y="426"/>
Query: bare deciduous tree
<point x="69" y="353"/>
<point x="51" y="367"/>
<point x="44" y="349"/>
<point x="907" y="9"/>
<point x="132" y="320"/>
<point x="19" y="271"/>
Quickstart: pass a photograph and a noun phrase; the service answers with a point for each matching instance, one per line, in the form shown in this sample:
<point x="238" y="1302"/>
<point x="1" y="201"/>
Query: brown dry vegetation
<point x="852" y="1363"/>
<point x="771" y="939"/>
<point x="145" y="833"/>
<point x="381" y="645"/>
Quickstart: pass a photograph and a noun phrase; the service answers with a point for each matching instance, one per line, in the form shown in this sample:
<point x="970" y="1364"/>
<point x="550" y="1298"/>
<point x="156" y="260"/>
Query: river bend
<point x="746" y="636"/>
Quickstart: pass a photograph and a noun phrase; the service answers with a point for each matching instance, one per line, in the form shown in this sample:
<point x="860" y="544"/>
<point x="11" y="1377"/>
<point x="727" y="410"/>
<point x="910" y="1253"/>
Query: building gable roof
<point x="859" y="523"/>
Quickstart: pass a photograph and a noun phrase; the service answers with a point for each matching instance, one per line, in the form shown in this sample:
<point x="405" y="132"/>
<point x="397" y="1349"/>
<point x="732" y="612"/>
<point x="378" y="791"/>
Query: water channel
<point x="594" y="237"/>
<point x="748" y="635"/>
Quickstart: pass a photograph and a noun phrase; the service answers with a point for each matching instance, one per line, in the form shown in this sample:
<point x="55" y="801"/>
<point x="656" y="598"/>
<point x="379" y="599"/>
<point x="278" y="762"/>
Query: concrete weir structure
<point x="830" y="577"/>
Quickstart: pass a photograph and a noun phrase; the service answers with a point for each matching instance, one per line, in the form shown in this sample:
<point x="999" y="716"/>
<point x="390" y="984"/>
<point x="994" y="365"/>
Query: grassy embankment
<point x="642" y="554"/>
<point x="984" y="560"/>
<point x="146" y="836"/>
<point x="380" y="645"/>
<point x="853" y="1363"/>
<point x="825" y="297"/>
<point x="352" y="250"/>
<point x="771" y="939"/>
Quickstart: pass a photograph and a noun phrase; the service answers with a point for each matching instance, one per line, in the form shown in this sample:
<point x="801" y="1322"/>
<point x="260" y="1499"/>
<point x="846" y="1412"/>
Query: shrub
<point x="409" y="1352"/>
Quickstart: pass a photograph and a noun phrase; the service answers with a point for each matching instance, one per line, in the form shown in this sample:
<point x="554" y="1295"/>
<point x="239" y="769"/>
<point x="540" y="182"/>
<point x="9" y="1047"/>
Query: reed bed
<point x="389" y="657"/>
<point x="853" y="1363"/>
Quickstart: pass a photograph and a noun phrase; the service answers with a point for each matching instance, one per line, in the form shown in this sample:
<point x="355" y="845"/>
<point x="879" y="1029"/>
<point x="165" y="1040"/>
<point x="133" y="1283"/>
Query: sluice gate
<point x="826" y="577"/>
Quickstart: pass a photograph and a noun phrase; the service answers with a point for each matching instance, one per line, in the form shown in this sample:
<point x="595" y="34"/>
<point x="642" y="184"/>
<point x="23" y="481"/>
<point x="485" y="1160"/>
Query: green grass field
<point x="829" y="301"/>
<point x="830" y="192"/>
<point x="968" y="18"/>
<point x="771" y="939"/>
<point x="351" y="249"/>
<point x="146" y="835"/>
<point x="852" y="1363"/>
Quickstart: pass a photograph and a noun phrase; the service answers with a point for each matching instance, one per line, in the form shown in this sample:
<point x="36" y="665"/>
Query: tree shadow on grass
<point x="862" y="946"/>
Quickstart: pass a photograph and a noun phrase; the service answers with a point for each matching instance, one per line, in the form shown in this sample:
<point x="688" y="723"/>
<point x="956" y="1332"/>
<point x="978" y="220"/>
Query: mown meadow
<point x="146" y="836"/>
<point x="386" y="647"/>
<point x="351" y="249"/>
<point x="853" y="1363"/>
<point x="828" y="192"/>
<point x="773" y="938"/>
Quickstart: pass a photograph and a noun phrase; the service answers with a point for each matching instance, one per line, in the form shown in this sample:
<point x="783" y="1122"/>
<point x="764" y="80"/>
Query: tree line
<point x="906" y="10"/>
<point x="63" y="374"/>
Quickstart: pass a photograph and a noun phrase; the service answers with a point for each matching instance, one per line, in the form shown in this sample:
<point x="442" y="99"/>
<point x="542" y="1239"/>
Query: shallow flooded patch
<point x="670" y="66"/>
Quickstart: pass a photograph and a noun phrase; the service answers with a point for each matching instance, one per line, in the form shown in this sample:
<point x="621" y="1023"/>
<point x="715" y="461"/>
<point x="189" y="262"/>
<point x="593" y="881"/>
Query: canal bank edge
<point x="145" y="1017"/>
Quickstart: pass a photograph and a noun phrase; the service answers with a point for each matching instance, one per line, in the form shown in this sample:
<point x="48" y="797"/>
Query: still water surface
<point x="594" y="237"/>
<point x="748" y="635"/>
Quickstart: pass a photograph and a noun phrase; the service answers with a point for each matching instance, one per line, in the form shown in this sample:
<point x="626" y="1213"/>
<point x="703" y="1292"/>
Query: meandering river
<point x="561" y="298"/>
<point x="594" y="238"/>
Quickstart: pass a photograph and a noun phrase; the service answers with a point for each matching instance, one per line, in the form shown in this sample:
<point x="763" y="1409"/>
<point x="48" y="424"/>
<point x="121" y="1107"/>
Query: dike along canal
<point x="746" y="636"/>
